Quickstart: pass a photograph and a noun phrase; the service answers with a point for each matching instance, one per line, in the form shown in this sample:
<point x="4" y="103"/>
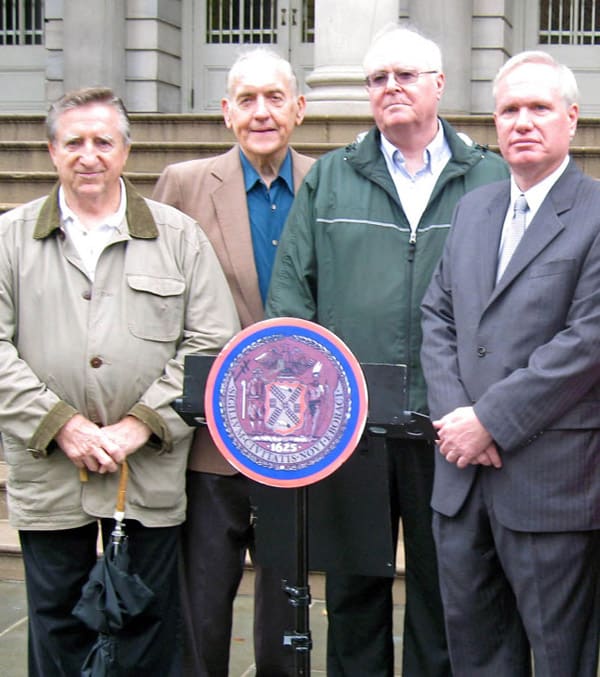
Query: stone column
<point x="343" y="32"/>
<point x="449" y="24"/>
<point x="94" y="44"/>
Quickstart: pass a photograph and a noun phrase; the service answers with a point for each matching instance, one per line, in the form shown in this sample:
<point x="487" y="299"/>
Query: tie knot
<point x="521" y="205"/>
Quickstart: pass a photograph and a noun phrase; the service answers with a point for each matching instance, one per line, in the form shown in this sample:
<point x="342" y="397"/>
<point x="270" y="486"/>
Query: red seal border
<point x="354" y="427"/>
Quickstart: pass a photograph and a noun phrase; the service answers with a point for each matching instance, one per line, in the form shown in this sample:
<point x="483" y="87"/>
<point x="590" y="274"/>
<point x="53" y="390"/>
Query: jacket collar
<point x="140" y="222"/>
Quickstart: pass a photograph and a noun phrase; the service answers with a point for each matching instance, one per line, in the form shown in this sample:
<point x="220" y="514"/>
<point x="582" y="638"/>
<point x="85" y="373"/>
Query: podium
<point x="310" y="527"/>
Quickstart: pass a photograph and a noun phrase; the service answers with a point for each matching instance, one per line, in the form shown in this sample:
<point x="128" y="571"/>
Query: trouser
<point x="216" y="536"/>
<point x="57" y="565"/>
<point x="510" y="595"/>
<point x="360" y="608"/>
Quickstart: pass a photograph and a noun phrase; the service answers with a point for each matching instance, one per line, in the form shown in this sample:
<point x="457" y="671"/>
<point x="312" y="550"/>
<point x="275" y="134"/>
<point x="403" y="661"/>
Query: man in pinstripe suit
<point x="512" y="362"/>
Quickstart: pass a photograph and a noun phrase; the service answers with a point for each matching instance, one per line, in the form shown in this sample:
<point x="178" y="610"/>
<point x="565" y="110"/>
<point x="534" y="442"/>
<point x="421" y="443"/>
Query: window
<point x="255" y="21"/>
<point x="308" y="21"/>
<point x="245" y="21"/>
<point x="21" y="22"/>
<point x="569" y="22"/>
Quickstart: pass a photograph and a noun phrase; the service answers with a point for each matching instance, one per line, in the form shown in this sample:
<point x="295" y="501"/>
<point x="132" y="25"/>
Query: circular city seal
<point x="286" y="402"/>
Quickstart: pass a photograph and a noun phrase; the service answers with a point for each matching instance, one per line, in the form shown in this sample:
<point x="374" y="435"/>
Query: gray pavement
<point x="13" y="632"/>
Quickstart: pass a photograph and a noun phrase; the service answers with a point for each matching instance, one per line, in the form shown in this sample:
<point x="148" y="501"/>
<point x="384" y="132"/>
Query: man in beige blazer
<point x="241" y="200"/>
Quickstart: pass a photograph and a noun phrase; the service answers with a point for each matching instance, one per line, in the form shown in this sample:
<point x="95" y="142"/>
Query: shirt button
<point x="96" y="362"/>
<point x="273" y="207"/>
<point x="274" y="242"/>
<point x="481" y="351"/>
<point x="87" y="295"/>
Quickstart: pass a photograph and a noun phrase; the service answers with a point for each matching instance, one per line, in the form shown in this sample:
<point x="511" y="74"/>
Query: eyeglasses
<point x="402" y="78"/>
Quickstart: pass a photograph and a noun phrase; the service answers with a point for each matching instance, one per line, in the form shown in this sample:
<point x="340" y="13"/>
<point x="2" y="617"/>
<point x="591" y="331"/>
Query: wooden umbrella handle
<point x="83" y="475"/>
<point x="120" y="507"/>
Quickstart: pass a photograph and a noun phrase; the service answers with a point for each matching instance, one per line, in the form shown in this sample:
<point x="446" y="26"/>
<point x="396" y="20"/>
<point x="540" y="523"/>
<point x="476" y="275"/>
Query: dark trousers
<point x="216" y="536"/>
<point x="57" y="565"/>
<point x="359" y="608"/>
<point x="509" y="595"/>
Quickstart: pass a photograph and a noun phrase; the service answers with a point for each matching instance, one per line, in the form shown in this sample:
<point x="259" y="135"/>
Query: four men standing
<point x="511" y="357"/>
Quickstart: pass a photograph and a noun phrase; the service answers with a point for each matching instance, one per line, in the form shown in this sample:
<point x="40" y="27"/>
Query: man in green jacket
<point x="359" y="248"/>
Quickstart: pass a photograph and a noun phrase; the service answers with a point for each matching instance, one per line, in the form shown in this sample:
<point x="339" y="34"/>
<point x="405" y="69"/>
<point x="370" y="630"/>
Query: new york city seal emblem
<point x="286" y="402"/>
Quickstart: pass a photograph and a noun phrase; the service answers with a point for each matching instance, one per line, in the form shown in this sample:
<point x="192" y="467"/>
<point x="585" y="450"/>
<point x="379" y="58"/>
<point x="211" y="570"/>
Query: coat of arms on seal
<point x="286" y="401"/>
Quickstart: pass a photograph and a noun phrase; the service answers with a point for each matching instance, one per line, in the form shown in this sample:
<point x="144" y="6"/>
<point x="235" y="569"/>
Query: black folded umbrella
<point x="112" y="597"/>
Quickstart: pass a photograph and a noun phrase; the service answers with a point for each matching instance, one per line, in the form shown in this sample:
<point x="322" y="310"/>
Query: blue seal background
<point x="300" y="476"/>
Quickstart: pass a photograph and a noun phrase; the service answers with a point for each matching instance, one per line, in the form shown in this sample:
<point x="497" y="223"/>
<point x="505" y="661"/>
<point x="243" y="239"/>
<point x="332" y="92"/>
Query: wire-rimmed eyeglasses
<point x="381" y="78"/>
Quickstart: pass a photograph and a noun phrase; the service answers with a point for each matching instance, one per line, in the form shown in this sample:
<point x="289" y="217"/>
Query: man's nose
<point x="261" y="105"/>
<point x="391" y="82"/>
<point x="523" y="117"/>
<point x="87" y="149"/>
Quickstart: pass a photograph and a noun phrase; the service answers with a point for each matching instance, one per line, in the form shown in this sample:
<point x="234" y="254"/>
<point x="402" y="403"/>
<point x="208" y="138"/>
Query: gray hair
<point x="567" y="84"/>
<point x="392" y="37"/>
<point x="255" y="57"/>
<point x="84" y="97"/>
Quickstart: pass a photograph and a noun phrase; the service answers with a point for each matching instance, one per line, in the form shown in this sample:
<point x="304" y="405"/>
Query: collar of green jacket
<point x="361" y="152"/>
<point x="139" y="218"/>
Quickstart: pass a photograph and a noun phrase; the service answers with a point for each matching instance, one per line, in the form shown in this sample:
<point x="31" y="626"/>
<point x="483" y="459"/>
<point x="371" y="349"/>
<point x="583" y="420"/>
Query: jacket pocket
<point x="155" y="307"/>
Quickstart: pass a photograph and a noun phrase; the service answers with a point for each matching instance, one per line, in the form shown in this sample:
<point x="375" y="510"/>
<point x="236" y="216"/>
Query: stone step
<point x="145" y="156"/>
<point x="315" y="129"/>
<point x="17" y="187"/>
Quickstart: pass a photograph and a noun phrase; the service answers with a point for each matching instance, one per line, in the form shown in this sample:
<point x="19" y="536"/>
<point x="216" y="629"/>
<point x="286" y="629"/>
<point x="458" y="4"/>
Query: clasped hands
<point x="101" y="449"/>
<point x="462" y="440"/>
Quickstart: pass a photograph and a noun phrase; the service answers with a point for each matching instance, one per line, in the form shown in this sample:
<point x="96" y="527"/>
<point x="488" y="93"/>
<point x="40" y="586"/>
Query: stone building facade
<point x="171" y="56"/>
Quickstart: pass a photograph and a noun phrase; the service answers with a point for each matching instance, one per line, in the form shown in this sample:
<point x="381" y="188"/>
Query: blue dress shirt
<point x="267" y="209"/>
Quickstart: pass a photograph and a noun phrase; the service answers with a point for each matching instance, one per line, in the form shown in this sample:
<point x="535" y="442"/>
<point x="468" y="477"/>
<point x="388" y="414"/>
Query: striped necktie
<point x="513" y="233"/>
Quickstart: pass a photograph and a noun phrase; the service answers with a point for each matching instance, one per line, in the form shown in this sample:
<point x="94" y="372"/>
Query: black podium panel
<point x="343" y="507"/>
<point x="349" y="502"/>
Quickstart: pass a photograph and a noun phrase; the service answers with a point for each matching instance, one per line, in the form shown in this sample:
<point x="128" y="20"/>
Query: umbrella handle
<point x="83" y="475"/>
<point x="120" y="507"/>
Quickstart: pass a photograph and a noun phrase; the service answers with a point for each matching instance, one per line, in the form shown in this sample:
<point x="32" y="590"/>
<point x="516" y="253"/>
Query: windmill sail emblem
<point x="281" y="400"/>
<point x="285" y="406"/>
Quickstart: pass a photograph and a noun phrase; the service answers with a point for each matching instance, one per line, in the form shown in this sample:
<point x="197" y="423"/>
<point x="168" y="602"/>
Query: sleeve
<point x="26" y="401"/>
<point x="439" y="354"/>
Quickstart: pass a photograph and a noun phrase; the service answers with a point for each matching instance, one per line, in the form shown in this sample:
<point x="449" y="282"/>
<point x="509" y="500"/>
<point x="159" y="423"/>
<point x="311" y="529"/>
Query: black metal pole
<point x="299" y="594"/>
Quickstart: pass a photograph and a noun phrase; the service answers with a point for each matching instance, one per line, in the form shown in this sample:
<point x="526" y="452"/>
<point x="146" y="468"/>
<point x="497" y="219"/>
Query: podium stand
<point x="318" y="538"/>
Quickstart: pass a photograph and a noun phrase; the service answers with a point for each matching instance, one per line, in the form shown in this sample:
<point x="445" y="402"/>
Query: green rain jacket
<point x="347" y="259"/>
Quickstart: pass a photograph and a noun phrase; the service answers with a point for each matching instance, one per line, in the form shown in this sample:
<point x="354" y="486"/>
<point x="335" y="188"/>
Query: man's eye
<point x="379" y="79"/>
<point x="104" y="144"/>
<point x="72" y="144"/>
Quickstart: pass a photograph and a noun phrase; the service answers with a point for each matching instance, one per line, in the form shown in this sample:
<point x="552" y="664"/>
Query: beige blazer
<point x="211" y="190"/>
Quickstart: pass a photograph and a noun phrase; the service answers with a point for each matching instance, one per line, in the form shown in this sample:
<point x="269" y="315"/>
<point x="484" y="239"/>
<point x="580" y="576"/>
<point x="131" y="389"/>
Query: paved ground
<point x="13" y="633"/>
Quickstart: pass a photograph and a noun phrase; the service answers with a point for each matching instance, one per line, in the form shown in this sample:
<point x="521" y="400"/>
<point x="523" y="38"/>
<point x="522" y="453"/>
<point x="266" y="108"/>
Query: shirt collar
<point x="251" y="176"/>
<point x="114" y="220"/>
<point x="537" y="194"/>
<point x="436" y="153"/>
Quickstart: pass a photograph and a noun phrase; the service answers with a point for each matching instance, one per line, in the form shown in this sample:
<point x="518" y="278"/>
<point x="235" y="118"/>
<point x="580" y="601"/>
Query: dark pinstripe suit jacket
<point x="525" y="353"/>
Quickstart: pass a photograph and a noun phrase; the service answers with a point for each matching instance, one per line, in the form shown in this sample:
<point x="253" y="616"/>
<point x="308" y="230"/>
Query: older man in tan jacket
<point x="241" y="200"/>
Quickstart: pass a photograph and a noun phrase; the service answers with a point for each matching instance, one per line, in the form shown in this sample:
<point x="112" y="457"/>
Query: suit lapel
<point x="489" y="234"/>
<point x="545" y="227"/>
<point x="232" y="215"/>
